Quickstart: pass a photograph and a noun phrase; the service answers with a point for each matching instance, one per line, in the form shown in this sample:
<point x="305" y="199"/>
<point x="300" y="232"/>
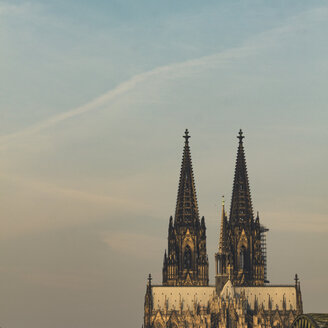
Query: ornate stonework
<point x="186" y="263"/>
<point x="241" y="297"/>
<point x="241" y="257"/>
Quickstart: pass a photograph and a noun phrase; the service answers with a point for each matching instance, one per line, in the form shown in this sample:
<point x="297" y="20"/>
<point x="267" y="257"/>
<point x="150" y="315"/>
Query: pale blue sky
<point x="94" y="99"/>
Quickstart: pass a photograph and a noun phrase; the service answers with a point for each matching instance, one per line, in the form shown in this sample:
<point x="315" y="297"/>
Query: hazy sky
<point x="94" y="99"/>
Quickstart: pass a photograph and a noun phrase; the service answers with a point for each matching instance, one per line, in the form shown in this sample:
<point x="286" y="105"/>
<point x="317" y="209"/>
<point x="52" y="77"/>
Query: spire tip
<point x="240" y="135"/>
<point x="186" y="136"/>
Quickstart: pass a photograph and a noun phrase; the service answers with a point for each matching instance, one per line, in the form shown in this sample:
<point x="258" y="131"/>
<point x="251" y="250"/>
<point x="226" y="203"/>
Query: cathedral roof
<point x="241" y="202"/>
<point x="173" y="297"/>
<point x="278" y="294"/>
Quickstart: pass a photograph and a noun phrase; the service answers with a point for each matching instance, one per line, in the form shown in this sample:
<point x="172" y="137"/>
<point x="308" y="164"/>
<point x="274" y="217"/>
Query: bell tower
<point x="186" y="262"/>
<point x="241" y="255"/>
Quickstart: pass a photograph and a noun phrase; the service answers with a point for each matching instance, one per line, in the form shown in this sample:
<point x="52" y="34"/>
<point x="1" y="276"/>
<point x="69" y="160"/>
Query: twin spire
<point x="186" y="208"/>
<point x="186" y="262"/>
<point x="241" y="203"/>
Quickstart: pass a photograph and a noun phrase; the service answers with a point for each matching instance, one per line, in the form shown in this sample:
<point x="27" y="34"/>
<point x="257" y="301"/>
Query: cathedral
<point x="241" y="297"/>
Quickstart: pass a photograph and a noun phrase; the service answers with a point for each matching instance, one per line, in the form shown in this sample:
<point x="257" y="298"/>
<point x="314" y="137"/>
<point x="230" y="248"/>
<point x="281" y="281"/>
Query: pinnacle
<point x="241" y="203"/>
<point x="223" y="243"/>
<point x="186" y="207"/>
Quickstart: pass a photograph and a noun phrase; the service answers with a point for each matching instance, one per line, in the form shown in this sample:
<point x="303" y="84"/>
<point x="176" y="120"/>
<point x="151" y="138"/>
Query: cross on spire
<point x="296" y="279"/>
<point x="240" y="135"/>
<point x="149" y="279"/>
<point x="186" y="136"/>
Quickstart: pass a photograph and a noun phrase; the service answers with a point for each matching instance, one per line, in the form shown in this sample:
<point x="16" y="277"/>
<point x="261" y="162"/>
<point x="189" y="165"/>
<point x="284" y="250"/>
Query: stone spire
<point x="241" y="202"/>
<point x="148" y="306"/>
<point x="186" y="212"/>
<point x="187" y="262"/>
<point x="223" y="243"/>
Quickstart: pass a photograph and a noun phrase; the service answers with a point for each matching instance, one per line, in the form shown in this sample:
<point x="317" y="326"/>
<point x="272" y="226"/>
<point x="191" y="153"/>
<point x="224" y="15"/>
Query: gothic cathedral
<point x="242" y="297"/>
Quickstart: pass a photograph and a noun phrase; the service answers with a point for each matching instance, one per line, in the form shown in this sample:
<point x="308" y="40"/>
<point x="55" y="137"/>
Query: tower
<point x="223" y="258"/>
<point x="241" y="254"/>
<point x="186" y="262"/>
<point x="241" y="297"/>
<point x="148" y="305"/>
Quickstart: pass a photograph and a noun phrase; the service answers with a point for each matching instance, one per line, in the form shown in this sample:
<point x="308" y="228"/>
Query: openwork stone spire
<point x="186" y="209"/>
<point x="186" y="262"/>
<point x="241" y="202"/>
<point x="223" y="243"/>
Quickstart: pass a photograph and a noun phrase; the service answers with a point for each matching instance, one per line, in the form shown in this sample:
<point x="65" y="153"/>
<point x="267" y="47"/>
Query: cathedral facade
<point x="241" y="297"/>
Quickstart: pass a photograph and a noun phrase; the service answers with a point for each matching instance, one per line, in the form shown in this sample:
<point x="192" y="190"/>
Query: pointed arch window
<point x="242" y="258"/>
<point x="187" y="258"/>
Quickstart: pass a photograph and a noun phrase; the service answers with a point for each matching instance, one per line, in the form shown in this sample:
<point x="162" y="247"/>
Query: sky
<point x="94" y="99"/>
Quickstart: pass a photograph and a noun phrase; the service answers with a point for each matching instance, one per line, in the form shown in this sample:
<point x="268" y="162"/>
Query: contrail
<point x="261" y="41"/>
<point x="125" y="87"/>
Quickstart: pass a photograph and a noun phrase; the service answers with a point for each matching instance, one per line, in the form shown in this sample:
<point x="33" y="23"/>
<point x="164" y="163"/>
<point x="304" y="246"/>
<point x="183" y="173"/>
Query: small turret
<point x="223" y="243"/>
<point x="165" y="259"/>
<point x="148" y="304"/>
<point x="299" y="303"/>
<point x="222" y="257"/>
<point x="171" y="225"/>
<point x="257" y="220"/>
<point x="202" y="225"/>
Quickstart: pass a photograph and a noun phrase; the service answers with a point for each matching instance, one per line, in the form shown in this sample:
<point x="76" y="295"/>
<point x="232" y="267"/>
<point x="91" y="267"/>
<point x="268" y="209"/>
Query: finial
<point x="296" y="279"/>
<point x="149" y="279"/>
<point x="223" y="201"/>
<point x="186" y="136"/>
<point x="240" y="136"/>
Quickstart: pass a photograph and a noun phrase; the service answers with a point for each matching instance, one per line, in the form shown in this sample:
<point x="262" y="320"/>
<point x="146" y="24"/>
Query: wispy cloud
<point x="251" y="47"/>
<point x="12" y="9"/>
<point x="74" y="194"/>
<point x="126" y="86"/>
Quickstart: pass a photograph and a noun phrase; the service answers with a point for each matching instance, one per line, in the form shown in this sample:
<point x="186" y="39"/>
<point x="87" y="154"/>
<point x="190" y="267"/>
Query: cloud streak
<point x="249" y="48"/>
<point x="126" y="86"/>
<point x="79" y="195"/>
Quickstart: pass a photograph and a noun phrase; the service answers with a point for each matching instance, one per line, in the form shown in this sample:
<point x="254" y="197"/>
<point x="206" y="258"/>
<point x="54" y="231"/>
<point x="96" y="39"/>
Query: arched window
<point x="242" y="258"/>
<point x="187" y="258"/>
